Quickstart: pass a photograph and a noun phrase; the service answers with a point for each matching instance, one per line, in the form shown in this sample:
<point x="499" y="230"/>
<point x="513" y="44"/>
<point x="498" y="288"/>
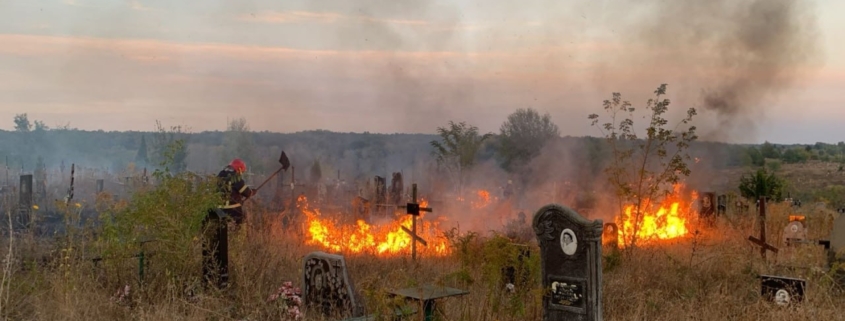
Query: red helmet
<point x="238" y="165"/>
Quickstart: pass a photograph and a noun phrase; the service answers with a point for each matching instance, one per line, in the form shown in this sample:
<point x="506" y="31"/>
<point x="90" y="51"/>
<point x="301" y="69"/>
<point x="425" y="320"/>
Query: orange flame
<point x="385" y="240"/>
<point x="663" y="222"/>
<point x="482" y="200"/>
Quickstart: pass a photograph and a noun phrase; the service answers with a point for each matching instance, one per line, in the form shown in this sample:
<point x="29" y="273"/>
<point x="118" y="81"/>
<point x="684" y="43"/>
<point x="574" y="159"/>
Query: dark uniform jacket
<point x="234" y="190"/>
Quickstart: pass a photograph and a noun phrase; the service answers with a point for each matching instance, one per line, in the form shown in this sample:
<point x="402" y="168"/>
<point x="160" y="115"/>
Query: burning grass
<point x="709" y="275"/>
<point x="387" y="239"/>
<point x="667" y="220"/>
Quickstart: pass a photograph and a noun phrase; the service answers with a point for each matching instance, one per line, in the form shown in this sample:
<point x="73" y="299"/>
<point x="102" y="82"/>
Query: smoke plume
<point x="742" y="52"/>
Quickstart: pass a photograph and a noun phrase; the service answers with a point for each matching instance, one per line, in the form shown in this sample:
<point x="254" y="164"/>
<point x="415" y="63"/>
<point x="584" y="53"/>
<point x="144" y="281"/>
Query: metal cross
<point x="414" y="210"/>
<point x="762" y="240"/>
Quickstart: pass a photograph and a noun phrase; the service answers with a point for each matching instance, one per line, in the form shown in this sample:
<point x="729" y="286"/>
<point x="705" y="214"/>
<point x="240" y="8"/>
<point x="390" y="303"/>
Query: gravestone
<point x="794" y="233"/>
<point x="381" y="193"/>
<point x="25" y="199"/>
<point x="783" y="291"/>
<point x="837" y="235"/>
<point x="571" y="254"/>
<point x="397" y="189"/>
<point x="707" y="205"/>
<point x="722" y="201"/>
<point x="610" y="235"/>
<point x="327" y="287"/>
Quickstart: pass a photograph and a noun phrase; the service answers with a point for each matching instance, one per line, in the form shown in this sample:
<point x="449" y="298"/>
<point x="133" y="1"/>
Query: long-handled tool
<point x="283" y="159"/>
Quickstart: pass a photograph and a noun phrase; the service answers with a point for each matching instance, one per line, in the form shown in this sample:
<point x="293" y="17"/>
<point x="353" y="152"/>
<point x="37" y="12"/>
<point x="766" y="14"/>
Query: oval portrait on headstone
<point x="782" y="297"/>
<point x="568" y="242"/>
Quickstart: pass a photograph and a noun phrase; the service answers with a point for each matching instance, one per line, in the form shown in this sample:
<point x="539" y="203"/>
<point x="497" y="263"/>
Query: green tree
<point x="769" y="151"/>
<point x="523" y="135"/>
<point x="756" y="156"/>
<point x="40" y="126"/>
<point x="22" y="123"/>
<point x="795" y="155"/>
<point x="458" y="147"/>
<point x="761" y="184"/>
<point x="643" y="169"/>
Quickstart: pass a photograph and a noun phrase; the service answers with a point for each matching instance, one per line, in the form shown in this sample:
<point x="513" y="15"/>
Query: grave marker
<point x="722" y="201"/>
<point x="396" y="189"/>
<point x="381" y="193"/>
<point x="610" y="235"/>
<point x="570" y="250"/>
<point x="414" y="210"/>
<point x="837" y="237"/>
<point x="707" y="205"/>
<point x="25" y="199"/>
<point x="326" y="285"/>
<point x="69" y="197"/>
<point x="782" y="290"/>
<point x="794" y="233"/>
<point x="762" y="240"/>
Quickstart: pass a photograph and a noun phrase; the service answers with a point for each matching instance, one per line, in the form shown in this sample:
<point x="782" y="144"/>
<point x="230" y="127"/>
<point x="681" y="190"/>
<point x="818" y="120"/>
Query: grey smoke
<point x="757" y="49"/>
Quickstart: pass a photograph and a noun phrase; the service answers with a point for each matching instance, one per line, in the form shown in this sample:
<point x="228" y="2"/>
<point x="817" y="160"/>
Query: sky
<point x="755" y="70"/>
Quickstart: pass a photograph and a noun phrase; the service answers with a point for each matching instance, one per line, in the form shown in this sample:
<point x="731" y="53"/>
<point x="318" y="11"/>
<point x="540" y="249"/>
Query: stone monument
<point x="571" y="254"/>
<point x="837" y="236"/>
<point x="326" y="286"/>
<point x="794" y="233"/>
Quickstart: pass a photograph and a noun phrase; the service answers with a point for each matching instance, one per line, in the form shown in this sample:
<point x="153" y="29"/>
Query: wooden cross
<point x="414" y="210"/>
<point x="762" y="240"/>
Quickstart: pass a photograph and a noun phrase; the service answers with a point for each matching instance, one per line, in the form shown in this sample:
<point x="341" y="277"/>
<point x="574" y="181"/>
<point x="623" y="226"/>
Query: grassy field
<point x="712" y="275"/>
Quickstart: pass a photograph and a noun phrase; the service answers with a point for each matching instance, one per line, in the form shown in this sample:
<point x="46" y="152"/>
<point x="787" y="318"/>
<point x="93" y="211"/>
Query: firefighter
<point x="230" y="183"/>
<point x="234" y="191"/>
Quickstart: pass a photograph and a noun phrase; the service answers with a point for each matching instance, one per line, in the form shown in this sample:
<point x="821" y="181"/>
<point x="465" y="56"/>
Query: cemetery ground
<point x="711" y="276"/>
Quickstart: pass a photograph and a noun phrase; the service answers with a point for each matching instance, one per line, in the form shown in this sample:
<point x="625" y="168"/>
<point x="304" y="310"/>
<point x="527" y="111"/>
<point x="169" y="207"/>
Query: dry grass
<point x="713" y="276"/>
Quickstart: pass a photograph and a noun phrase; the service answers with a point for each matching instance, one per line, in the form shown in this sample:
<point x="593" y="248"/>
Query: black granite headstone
<point x="570" y="249"/>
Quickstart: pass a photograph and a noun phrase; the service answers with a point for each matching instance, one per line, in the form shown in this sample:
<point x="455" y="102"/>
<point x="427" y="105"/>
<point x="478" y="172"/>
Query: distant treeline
<point x="354" y="155"/>
<point x="116" y="150"/>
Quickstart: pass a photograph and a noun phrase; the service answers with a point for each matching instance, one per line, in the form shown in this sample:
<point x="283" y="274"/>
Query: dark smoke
<point x="745" y="52"/>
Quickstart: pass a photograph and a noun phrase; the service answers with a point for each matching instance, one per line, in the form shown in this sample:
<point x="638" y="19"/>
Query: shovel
<point x="283" y="159"/>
